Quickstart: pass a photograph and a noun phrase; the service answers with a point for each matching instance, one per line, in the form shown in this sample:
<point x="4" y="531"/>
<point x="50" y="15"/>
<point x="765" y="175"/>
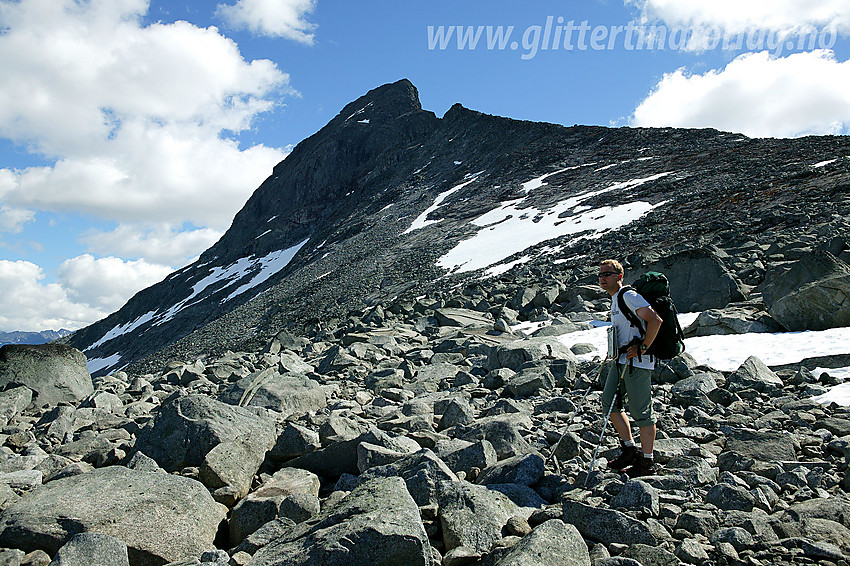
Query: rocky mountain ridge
<point x="19" y="337"/>
<point x="330" y="231"/>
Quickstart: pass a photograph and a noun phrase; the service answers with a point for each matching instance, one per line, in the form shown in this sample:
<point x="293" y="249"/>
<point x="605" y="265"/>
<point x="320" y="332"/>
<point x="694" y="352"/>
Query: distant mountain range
<point x="42" y="337"/>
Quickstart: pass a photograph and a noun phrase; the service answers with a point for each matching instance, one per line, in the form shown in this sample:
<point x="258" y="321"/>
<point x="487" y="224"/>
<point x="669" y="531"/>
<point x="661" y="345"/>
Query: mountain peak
<point x="383" y="103"/>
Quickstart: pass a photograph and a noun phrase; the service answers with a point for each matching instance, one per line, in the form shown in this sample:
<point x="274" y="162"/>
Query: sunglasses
<point x="608" y="273"/>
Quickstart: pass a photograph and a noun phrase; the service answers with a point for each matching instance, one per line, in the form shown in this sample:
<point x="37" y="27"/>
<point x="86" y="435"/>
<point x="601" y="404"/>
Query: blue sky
<point x="131" y="131"/>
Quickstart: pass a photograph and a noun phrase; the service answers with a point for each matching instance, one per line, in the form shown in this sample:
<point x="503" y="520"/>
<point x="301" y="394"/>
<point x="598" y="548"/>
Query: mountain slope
<point x="386" y="199"/>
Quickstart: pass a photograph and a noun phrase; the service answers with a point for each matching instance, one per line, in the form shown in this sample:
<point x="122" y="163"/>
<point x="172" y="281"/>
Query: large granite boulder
<point x="377" y="524"/>
<point x="286" y="488"/>
<point x="698" y="280"/>
<point x="514" y="355"/>
<point x="554" y="543"/>
<point x="473" y="516"/>
<point x="160" y="517"/>
<point x="54" y="372"/>
<point x="814" y="294"/>
<point x="607" y="525"/>
<point x="289" y="394"/>
<point x="227" y="443"/>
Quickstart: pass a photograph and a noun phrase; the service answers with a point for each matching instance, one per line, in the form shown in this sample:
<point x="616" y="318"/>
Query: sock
<point x="649" y="457"/>
<point x="629" y="443"/>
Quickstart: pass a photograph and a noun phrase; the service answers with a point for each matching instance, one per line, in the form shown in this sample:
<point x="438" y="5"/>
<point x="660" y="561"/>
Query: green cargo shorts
<point x="635" y="391"/>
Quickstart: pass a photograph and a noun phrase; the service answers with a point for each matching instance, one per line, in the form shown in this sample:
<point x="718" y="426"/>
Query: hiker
<point x="635" y="366"/>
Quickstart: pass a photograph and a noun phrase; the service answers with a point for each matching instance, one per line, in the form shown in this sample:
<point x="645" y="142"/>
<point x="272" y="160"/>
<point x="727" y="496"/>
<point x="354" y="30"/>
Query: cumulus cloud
<point x="278" y="18"/>
<point x="756" y="94"/>
<point x="735" y="16"/>
<point x="161" y="244"/>
<point x="135" y="118"/>
<point x="106" y="283"/>
<point x="87" y="289"/>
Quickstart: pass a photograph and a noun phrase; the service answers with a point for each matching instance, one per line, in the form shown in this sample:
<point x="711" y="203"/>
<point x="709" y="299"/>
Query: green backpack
<point x="655" y="288"/>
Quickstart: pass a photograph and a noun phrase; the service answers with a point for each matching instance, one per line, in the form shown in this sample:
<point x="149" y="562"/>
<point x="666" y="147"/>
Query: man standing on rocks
<point x="636" y="368"/>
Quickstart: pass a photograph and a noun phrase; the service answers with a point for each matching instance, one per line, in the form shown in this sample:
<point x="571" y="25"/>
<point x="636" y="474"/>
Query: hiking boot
<point x="642" y="467"/>
<point x="625" y="459"/>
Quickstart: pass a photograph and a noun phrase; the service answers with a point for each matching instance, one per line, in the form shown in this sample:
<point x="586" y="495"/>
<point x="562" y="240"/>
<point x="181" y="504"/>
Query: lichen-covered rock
<point x="160" y="517"/>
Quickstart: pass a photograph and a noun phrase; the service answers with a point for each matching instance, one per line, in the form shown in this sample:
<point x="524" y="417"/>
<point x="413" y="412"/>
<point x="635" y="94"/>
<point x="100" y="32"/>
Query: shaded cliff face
<point x="388" y="200"/>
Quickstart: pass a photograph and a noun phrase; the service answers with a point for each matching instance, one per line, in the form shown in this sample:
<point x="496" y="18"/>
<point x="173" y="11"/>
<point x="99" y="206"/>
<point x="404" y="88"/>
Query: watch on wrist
<point x="644" y="347"/>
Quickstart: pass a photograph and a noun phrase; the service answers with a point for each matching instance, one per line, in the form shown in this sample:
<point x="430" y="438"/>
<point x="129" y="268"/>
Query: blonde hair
<point x="615" y="265"/>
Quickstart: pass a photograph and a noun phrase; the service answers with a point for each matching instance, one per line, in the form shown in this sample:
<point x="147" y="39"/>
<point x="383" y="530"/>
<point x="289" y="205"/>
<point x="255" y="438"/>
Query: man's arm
<point x="653" y="324"/>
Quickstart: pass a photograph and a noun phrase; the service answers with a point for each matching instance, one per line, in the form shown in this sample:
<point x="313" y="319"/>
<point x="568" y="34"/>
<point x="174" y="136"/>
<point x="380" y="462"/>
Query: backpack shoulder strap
<point x="633" y="319"/>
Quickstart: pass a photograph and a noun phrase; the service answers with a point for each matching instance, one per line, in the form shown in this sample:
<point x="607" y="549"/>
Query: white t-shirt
<point x="624" y="330"/>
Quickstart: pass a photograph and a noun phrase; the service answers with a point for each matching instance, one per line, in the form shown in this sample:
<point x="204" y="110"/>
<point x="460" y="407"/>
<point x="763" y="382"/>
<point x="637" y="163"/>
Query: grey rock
<point x="521" y="495"/>
<point x="294" y="441"/>
<point x="376" y="524"/>
<point x="765" y="445"/>
<point x="289" y="394"/>
<point x="523" y="470"/>
<point x="515" y="354"/>
<point x="739" y="538"/>
<point x="160" y="517"/>
<point x="731" y="320"/>
<point x="637" y="495"/>
<point x="650" y="555"/>
<point x="617" y="561"/>
<point x="456" y="412"/>
<point x="462" y="318"/>
<point x="530" y="382"/>
<point x="730" y="497"/>
<point x="702" y="382"/>
<point x="87" y="549"/>
<point x="55" y="373"/>
<point x="270" y="531"/>
<point x="812" y="294"/>
<point x="553" y="543"/>
<point x="233" y="463"/>
<point x="833" y="508"/>
<point x="698" y="280"/>
<point x="186" y="429"/>
<point x="421" y="471"/>
<point x="371" y="455"/>
<point x="606" y="525"/>
<point x="666" y="449"/>
<point x="691" y="552"/>
<point x="479" y="455"/>
<point x="753" y="374"/>
<point x="12" y="402"/>
<point x="11" y="557"/>
<point x="697" y="522"/>
<point x="501" y="431"/>
<point x="472" y="516"/>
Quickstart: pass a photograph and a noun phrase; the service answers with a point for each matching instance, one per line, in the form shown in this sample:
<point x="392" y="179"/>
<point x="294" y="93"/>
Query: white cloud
<point x="161" y="244"/>
<point x="280" y="18"/>
<point x="28" y="305"/>
<point x="136" y="117"/>
<point x="13" y="219"/>
<point x="87" y="289"/>
<point x="735" y="16"/>
<point x="106" y="283"/>
<point x="756" y="94"/>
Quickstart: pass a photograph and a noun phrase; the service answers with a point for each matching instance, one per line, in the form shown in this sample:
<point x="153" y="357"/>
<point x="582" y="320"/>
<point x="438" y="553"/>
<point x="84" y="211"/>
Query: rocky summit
<point x="383" y="362"/>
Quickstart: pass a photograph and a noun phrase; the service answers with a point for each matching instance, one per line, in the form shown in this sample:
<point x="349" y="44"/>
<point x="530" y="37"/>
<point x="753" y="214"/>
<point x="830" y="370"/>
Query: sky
<point x="132" y="131"/>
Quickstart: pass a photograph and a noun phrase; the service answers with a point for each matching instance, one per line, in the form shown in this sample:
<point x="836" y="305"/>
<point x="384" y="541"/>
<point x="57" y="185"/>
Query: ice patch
<point x="422" y="220"/>
<point x="510" y="229"/>
<point x="122" y="329"/>
<point x="97" y="364"/>
<point x="824" y="163"/>
<point x="269" y="265"/>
